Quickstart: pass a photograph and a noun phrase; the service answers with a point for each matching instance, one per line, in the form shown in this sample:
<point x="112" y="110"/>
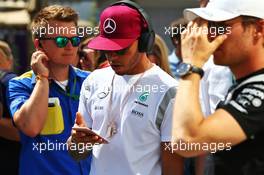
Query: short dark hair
<point x="249" y="20"/>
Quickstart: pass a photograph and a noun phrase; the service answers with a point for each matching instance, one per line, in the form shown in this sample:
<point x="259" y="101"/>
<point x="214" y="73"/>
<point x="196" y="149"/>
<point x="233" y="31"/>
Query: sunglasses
<point x="62" y="41"/>
<point x="117" y="52"/>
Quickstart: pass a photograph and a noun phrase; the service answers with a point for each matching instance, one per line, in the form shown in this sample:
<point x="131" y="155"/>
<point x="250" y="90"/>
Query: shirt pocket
<point x="54" y="123"/>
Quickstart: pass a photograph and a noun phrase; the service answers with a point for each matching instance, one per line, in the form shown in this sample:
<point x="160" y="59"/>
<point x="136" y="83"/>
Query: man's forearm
<point x="31" y="117"/>
<point x="187" y="110"/>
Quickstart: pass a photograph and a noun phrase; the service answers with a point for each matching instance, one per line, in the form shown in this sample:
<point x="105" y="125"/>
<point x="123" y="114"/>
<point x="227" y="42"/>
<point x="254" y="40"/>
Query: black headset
<point x="147" y="37"/>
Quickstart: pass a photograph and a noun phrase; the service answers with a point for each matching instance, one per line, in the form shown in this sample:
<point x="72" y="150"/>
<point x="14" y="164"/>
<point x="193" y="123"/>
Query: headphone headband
<point x="147" y="37"/>
<point x="139" y="9"/>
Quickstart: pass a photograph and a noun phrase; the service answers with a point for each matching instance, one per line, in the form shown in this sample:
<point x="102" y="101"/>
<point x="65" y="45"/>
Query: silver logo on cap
<point x="109" y="25"/>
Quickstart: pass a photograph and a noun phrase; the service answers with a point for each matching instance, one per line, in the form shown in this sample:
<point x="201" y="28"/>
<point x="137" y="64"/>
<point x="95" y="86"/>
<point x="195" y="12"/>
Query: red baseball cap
<point x="120" y="26"/>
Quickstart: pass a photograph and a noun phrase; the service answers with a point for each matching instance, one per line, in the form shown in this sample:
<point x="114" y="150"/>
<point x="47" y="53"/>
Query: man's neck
<point x="143" y="65"/>
<point x="59" y="72"/>
<point x="253" y="63"/>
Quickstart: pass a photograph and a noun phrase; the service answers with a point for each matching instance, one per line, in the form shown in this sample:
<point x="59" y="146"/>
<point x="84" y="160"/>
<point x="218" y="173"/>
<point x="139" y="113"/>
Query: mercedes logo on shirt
<point x="103" y="94"/>
<point x="109" y="25"/>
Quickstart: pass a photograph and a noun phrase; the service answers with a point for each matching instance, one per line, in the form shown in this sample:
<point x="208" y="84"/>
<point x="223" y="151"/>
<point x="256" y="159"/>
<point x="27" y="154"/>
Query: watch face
<point x="183" y="69"/>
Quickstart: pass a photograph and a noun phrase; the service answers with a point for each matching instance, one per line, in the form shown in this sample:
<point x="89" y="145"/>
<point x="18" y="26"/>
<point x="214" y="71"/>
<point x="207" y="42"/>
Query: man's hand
<point x="196" y="47"/>
<point x="81" y="137"/>
<point x="39" y="63"/>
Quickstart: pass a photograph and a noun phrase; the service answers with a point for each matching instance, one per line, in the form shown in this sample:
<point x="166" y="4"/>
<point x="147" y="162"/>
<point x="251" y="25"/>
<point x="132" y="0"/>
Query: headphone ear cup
<point x="151" y="41"/>
<point x="142" y="43"/>
<point x="146" y="42"/>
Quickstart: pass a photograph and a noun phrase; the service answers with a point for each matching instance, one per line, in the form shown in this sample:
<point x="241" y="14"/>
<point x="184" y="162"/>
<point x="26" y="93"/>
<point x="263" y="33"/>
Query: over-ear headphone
<point x="147" y="37"/>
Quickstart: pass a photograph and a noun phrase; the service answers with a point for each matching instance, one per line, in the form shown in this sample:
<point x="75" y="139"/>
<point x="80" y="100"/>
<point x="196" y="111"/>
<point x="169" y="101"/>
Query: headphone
<point x="147" y="37"/>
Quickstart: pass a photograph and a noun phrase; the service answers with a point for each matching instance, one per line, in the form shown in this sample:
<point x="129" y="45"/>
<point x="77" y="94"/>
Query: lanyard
<point x="130" y="91"/>
<point x="74" y="96"/>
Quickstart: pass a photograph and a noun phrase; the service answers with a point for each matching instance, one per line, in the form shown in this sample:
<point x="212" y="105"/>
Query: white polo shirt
<point x="143" y="116"/>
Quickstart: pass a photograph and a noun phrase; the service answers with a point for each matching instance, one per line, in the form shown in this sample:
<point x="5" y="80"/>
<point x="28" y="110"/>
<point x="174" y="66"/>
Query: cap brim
<point x="209" y="14"/>
<point x="102" y="43"/>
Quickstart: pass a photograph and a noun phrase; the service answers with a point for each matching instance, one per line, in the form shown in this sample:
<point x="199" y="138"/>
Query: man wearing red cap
<point x="128" y="103"/>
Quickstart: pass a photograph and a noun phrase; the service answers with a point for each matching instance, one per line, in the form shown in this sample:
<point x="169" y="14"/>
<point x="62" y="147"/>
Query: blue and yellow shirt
<point x="47" y="153"/>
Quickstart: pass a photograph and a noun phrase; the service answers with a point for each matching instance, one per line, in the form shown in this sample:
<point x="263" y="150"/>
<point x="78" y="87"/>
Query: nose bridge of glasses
<point x="69" y="43"/>
<point x="74" y="41"/>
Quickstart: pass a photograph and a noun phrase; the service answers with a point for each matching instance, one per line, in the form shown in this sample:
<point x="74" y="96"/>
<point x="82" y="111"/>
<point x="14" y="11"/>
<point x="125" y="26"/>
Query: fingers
<point x="196" y="42"/>
<point x="88" y="139"/>
<point x="185" y="32"/>
<point x="81" y="137"/>
<point x="218" y="41"/>
<point x="39" y="63"/>
<point x="39" y="55"/>
<point x="79" y="120"/>
<point x="203" y="23"/>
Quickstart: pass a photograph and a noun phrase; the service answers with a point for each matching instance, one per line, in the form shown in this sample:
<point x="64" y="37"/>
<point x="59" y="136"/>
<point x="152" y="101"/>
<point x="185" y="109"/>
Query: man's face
<point x="60" y="55"/>
<point x="237" y="46"/>
<point x="127" y="63"/>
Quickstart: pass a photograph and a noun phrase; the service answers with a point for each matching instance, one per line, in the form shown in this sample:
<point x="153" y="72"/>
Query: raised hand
<point x="39" y="63"/>
<point x="196" y="47"/>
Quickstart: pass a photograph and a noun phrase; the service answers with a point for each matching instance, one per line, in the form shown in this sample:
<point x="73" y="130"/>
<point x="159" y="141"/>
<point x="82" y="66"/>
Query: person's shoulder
<point x="25" y="76"/>
<point x="80" y="72"/>
<point x="23" y="80"/>
<point x="5" y="76"/>
<point x="161" y="77"/>
<point x="100" y="75"/>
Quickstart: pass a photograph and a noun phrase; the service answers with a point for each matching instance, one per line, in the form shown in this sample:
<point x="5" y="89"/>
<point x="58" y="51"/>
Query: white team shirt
<point x="135" y="148"/>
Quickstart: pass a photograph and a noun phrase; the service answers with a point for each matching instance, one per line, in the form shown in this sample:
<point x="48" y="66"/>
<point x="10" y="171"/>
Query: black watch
<point x="184" y="69"/>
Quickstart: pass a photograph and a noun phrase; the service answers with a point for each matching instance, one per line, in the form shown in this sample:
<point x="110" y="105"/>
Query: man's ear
<point x="260" y="28"/>
<point x="37" y="44"/>
<point x="259" y="31"/>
